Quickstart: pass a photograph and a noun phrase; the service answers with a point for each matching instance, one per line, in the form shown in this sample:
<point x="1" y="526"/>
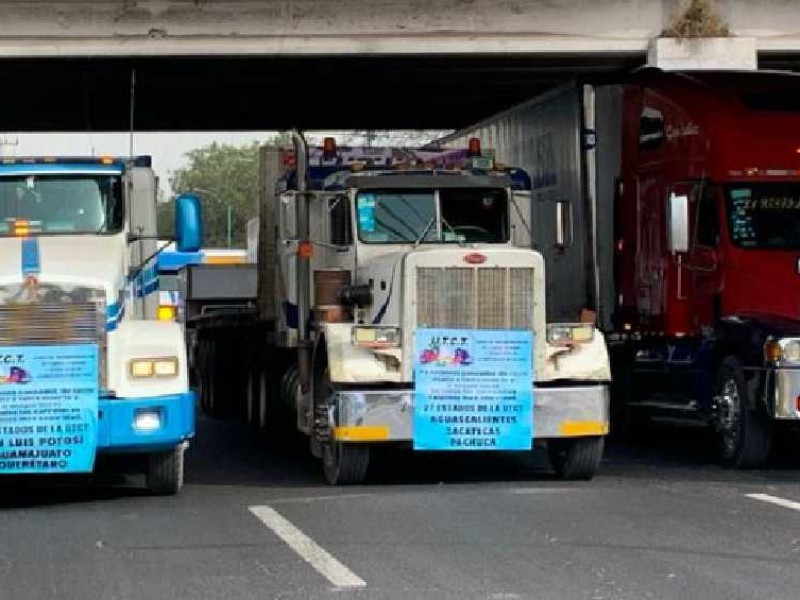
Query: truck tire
<point x="164" y="472"/>
<point x="742" y="437"/>
<point x="345" y="464"/>
<point x="575" y="458"/>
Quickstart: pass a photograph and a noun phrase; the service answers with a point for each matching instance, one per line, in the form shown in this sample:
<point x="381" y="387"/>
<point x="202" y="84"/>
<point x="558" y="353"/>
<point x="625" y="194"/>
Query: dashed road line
<point x="777" y="500"/>
<point x="314" y="554"/>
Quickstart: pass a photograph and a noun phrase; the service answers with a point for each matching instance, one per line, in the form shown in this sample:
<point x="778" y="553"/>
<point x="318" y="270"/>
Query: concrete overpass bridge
<point x="270" y="64"/>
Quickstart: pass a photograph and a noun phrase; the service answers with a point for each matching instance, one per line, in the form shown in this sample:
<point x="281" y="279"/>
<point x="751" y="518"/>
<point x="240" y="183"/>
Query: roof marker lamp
<point x="474" y="147"/>
<point x="328" y="148"/>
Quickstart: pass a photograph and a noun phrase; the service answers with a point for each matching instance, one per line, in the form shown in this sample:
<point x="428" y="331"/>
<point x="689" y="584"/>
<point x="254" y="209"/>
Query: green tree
<point x="225" y="178"/>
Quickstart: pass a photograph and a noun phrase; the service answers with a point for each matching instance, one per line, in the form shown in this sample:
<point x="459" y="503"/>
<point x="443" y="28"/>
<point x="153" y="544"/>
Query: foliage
<point x="697" y="19"/>
<point x="223" y="175"/>
<point x="225" y="178"/>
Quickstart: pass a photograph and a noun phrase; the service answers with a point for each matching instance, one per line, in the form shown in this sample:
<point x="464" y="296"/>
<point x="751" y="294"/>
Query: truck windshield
<point x="764" y="215"/>
<point x="463" y="215"/>
<point x="61" y="204"/>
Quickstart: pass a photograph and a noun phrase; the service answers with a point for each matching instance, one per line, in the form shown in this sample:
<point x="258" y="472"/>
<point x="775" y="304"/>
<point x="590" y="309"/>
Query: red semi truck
<point x="676" y="197"/>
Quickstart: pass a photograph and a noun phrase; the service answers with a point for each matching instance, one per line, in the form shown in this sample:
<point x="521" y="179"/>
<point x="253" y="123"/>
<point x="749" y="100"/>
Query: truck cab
<point x="708" y="251"/>
<point x="407" y="244"/>
<point x="78" y="316"/>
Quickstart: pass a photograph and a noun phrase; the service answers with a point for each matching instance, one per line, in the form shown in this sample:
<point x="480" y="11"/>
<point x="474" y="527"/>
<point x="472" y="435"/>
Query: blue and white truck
<point x="86" y="367"/>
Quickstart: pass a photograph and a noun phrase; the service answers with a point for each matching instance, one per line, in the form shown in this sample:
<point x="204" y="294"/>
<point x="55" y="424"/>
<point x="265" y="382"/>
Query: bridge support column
<point x="673" y="54"/>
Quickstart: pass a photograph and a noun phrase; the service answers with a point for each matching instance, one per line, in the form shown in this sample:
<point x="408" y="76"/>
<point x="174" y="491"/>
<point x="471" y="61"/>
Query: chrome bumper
<point x="786" y="392"/>
<point x="386" y="415"/>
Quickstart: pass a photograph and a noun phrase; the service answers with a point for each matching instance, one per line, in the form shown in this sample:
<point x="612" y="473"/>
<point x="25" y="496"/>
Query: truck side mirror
<point x="678" y="223"/>
<point x="188" y="223"/>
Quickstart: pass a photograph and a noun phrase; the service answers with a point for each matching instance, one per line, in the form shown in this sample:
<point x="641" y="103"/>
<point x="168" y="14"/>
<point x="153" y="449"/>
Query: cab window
<point x="707" y="218"/>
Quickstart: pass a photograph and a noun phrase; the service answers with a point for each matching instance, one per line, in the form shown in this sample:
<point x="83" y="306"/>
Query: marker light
<point x="305" y="250"/>
<point x="166" y="313"/>
<point x="289" y="159"/>
<point x="22" y="228"/>
<point x="147" y="419"/>
<point x="783" y="351"/>
<point x="474" y="147"/>
<point x="328" y="148"/>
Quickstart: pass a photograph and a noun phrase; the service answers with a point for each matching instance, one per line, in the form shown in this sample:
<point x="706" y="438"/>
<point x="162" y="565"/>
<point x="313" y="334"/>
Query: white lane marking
<point x="310" y="499"/>
<point x="541" y="490"/>
<point x="776" y="500"/>
<point x="311" y="552"/>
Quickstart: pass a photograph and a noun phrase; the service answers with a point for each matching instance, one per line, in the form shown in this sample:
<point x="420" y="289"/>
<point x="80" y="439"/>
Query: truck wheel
<point x="575" y="458"/>
<point x="345" y="464"/>
<point x="164" y="474"/>
<point x="741" y="434"/>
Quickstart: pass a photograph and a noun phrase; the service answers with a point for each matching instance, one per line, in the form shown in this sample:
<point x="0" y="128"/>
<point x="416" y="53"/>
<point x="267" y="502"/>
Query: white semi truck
<point x="86" y="367"/>
<point x="400" y="302"/>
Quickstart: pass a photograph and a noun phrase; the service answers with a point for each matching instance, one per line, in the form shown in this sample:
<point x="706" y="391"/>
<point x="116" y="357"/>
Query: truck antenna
<point x="132" y="110"/>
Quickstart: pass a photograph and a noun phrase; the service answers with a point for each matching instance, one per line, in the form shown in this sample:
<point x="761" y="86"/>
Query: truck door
<point x="704" y="257"/>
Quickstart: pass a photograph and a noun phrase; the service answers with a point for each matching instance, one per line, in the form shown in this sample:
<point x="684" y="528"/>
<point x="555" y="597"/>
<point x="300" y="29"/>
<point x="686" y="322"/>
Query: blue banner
<point x="473" y="389"/>
<point x="48" y="408"/>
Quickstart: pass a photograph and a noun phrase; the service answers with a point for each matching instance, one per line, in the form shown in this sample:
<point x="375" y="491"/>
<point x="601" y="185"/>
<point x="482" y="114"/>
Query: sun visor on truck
<point x="406" y="180"/>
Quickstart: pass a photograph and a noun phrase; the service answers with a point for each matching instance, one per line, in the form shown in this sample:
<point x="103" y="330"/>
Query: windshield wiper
<point x="425" y="231"/>
<point x="459" y="238"/>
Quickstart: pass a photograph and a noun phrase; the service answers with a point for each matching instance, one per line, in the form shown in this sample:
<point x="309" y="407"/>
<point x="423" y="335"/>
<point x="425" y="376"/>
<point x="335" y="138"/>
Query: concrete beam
<point x="672" y="54"/>
<point x="323" y="27"/>
<point x="199" y="27"/>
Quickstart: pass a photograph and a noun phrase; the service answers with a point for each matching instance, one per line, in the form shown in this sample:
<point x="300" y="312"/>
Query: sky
<point x="169" y="149"/>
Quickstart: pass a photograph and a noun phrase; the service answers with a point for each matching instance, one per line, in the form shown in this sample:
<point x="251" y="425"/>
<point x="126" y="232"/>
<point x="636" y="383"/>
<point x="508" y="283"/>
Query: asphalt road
<point x="661" y="521"/>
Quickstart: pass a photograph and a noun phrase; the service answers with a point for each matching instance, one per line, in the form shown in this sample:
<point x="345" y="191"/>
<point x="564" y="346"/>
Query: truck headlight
<point x="784" y="350"/>
<point x="148" y="419"/>
<point x="376" y="337"/>
<point x="144" y="368"/>
<point x="565" y="333"/>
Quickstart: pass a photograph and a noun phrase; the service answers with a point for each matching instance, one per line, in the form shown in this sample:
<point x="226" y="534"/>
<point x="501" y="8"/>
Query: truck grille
<point x="22" y="324"/>
<point x="475" y="297"/>
<point x="62" y="323"/>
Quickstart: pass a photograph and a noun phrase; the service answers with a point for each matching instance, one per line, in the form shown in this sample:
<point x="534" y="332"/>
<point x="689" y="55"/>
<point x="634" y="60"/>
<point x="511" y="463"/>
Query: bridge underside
<point x="268" y="93"/>
<point x="68" y="65"/>
<point x="250" y="93"/>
